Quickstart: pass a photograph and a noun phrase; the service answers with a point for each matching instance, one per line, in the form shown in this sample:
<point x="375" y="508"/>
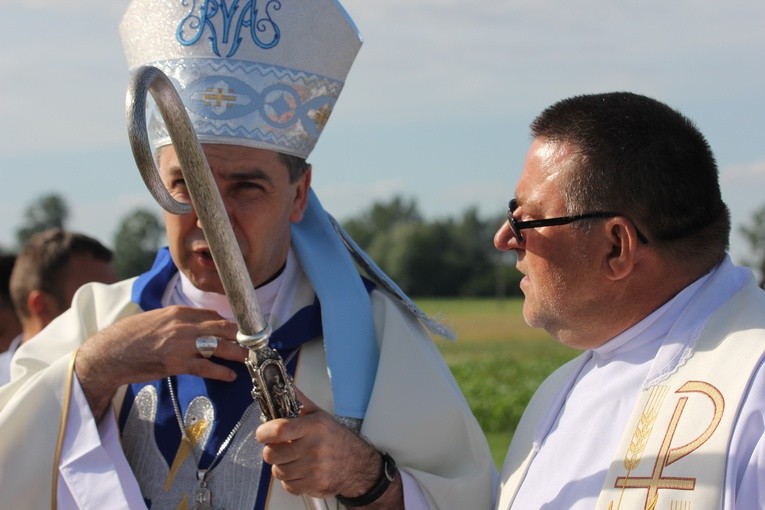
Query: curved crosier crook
<point x="150" y="79"/>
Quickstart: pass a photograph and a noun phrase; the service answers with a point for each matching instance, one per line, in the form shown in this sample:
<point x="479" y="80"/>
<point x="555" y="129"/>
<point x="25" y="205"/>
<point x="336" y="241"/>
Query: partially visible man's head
<point x="50" y="268"/>
<point x="9" y="322"/>
<point x="639" y="157"/>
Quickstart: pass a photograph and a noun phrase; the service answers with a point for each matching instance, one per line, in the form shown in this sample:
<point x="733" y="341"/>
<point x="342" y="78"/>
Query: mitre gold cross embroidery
<point x="218" y="97"/>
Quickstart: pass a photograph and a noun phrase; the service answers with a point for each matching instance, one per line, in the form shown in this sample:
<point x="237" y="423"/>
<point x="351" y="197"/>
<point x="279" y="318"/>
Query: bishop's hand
<point x="153" y="345"/>
<point x="314" y="454"/>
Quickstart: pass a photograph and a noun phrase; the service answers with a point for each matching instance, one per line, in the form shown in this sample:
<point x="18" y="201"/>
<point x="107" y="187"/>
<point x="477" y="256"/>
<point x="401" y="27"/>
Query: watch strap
<point x="387" y="475"/>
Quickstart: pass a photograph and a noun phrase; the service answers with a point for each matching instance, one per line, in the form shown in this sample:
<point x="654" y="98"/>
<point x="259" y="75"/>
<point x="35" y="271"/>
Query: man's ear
<point x="300" y="202"/>
<point x="623" y="243"/>
<point x="42" y="306"/>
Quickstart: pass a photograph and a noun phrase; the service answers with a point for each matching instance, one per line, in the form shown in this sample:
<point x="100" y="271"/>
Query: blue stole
<point x="329" y="257"/>
<point x="229" y="399"/>
<point x="349" y="332"/>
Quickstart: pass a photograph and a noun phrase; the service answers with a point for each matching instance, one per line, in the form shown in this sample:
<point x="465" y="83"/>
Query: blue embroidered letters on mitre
<point x="226" y="24"/>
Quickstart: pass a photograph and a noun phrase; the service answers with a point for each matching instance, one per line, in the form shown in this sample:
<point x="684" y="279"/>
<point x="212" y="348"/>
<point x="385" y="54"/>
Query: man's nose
<point x="504" y="239"/>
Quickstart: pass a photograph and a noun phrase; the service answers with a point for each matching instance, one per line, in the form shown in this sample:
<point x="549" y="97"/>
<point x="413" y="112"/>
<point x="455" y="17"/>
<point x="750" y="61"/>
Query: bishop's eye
<point x="512" y="205"/>
<point x="248" y="185"/>
<point x="178" y="190"/>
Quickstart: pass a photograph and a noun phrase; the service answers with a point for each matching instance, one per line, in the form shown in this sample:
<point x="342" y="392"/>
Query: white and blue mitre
<point x="257" y="73"/>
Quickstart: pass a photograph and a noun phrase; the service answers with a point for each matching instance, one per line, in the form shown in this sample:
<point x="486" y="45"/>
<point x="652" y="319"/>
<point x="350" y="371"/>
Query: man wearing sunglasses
<point x="621" y="233"/>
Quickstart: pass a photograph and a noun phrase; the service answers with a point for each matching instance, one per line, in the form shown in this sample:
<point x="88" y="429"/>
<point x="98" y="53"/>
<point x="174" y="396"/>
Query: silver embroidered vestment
<point x="233" y="481"/>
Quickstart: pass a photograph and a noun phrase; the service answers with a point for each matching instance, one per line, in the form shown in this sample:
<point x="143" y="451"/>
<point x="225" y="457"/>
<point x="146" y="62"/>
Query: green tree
<point x="48" y="211"/>
<point x="754" y="233"/>
<point x="381" y="218"/>
<point x="448" y="257"/>
<point x="138" y="238"/>
<point x="474" y="255"/>
<point x="409" y="253"/>
<point x="445" y="257"/>
<point x="429" y="264"/>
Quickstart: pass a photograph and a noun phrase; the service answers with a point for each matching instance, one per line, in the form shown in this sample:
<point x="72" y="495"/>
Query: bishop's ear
<point x="302" y="189"/>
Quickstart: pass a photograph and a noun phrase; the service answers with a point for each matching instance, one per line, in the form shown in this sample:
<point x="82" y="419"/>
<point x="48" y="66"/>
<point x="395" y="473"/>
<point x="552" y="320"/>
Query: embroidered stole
<point x="674" y="450"/>
<point x="165" y="465"/>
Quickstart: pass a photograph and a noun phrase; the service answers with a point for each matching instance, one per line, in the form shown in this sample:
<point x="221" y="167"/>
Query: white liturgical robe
<point x="571" y="433"/>
<point x="423" y="421"/>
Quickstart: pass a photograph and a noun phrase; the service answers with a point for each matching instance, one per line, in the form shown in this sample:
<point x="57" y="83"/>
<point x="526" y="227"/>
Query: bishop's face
<point x="260" y="202"/>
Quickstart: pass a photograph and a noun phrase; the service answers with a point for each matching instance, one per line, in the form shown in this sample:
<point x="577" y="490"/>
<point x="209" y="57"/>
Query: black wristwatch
<point x="387" y="475"/>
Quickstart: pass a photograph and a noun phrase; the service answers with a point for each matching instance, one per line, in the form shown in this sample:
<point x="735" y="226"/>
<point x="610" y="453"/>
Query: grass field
<point x="498" y="360"/>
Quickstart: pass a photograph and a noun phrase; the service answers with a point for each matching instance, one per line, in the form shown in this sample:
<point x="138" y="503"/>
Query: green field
<point x="498" y="360"/>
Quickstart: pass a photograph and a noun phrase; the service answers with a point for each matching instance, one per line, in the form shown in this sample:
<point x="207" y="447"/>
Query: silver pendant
<point x="202" y="498"/>
<point x="202" y="495"/>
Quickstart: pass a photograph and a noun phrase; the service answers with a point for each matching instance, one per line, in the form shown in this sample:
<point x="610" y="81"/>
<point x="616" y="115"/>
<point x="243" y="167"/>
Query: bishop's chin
<point x="204" y="278"/>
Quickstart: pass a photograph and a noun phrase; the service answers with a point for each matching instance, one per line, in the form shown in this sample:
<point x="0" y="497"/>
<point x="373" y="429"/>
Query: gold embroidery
<point x="668" y="455"/>
<point x="218" y="97"/>
<point x="718" y="402"/>
<point x="196" y="432"/>
<point x="642" y="433"/>
<point x="644" y="428"/>
<point x="321" y="116"/>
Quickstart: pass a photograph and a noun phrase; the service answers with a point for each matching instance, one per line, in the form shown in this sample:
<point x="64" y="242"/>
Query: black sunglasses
<point x="517" y="226"/>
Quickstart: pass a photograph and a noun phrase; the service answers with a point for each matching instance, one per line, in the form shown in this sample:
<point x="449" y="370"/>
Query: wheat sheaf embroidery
<point x="644" y="428"/>
<point x="640" y="438"/>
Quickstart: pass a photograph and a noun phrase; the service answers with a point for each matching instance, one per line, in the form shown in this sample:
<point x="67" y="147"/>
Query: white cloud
<point x="65" y="72"/>
<point x="747" y="173"/>
<point x="490" y="198"/>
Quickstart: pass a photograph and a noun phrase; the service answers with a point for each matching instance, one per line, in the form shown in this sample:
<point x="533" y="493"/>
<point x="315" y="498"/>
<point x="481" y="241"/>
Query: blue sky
<point x="436" y="107"/>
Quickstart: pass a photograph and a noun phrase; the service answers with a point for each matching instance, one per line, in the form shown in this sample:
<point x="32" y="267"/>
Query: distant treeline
<point x="440" y="258"/>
